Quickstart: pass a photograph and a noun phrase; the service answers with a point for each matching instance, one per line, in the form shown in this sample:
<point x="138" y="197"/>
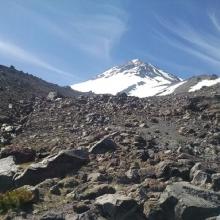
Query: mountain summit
<point x="137" y="67"/>
<point x="137" y="78"/>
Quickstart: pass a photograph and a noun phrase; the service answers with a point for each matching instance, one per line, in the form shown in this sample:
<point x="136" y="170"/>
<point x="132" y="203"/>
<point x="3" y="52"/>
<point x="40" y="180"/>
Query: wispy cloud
<point x="98" y="34"/>
<point x="214" y="20"/>
<point x="13" y="51"/>
<point x="190" y="39"/>
<point x="94" y="33"/>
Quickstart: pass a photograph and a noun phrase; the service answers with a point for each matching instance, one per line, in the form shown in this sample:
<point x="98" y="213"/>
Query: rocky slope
<point x="112" y="157"/>
<point x="137" y="78"/>
<point x="20" y="89"/>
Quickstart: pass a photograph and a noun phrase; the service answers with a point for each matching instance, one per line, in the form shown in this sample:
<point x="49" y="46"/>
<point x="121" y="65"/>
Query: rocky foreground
<point x="111" y="157"/>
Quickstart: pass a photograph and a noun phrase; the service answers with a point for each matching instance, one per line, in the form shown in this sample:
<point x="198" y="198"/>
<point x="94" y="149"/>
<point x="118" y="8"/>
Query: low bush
<point x="15" y="199"/>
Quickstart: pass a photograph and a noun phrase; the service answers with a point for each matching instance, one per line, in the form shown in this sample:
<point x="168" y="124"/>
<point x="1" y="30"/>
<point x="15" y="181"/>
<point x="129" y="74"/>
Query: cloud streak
<point x="11" y="50"/>
<point x="214" y="20"/>
<point x="185" y="37"/>
<point x="98" y="34"/>
<point x="94" y="33"/>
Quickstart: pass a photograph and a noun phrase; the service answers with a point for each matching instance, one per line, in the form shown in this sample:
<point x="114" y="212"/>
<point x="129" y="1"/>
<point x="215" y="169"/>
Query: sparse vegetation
<point x="15" y="199"/>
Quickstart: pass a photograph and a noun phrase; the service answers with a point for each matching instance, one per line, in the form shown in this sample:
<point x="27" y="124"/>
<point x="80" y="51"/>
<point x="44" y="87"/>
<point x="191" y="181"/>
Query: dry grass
<point x="15" y="199"/>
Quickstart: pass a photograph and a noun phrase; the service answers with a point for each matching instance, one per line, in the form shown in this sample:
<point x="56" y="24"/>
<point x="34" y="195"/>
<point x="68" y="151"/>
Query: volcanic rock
<point x="7" y="171"/>
<point x="52" y="166"/>
<point x="21" y="155"/>
<point x="103" y="146"/>
<point x="187" y="202"/>
<point x="118" y="207"/>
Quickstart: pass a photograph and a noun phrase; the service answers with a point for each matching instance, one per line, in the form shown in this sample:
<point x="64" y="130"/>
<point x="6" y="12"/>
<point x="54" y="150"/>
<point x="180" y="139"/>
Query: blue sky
<point x="68" y="41"/>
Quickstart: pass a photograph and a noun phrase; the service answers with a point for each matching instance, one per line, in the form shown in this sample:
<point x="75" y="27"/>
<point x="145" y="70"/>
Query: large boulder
<point x="167" y="169"/>
<point x="4" y="119"/>
<point x="201" y="178"/>
<point x="96" y="191"/>
<point x="52" y="216"/>
<point x="53" y="95"/>
<point x="21" y="155"/>
<point x="7" y="171"/>
<point x="118" y="207"/>
<point x="52" y="166"/>
<point x="184" y="201"/>
<point x="216" y="181"/>
<point x="103" y="146"/>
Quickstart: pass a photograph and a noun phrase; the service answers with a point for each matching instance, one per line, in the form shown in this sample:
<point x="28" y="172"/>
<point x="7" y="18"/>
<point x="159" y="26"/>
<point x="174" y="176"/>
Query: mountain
<point x="112" y="158"/>
<point x="27" y="85"/>
<point x="17" y="87"/>
<point x="109" y="157"/>
<point x="137" y="78"/>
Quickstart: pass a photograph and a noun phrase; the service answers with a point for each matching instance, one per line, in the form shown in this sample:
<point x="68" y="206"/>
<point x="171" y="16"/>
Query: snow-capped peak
<point x="137" y="67"/>
<point x="136" y="61"/>
<point x="137" y="78"/>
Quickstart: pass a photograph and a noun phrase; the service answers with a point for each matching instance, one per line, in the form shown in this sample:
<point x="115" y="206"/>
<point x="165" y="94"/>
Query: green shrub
<point x="15" y="199"/>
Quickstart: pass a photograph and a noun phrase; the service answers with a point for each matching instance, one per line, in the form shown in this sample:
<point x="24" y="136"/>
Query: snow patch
<point x="136" y="77"/>
<point x="204" y="82"/>
<point x="172" y="88"/>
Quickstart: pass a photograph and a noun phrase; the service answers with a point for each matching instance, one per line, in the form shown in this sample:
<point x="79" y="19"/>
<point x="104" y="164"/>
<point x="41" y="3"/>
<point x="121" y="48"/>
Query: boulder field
<point x="112" y="157"/>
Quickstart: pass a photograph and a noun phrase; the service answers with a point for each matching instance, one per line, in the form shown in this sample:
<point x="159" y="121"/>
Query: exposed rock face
<point x="7" y="171"/>
<point x="4" y="119"/>
<point x="201" y="178"/>
<point x="52" y="96"/>
<point x="21" y="155"/>
<point x="53" y="216"/>
<point x="117" y="207"/>
<point x="52" y="166"/>
<point x="103" y="146"/>
<point x="216" y="181"/>
<point x="187" y="202"/>
<point x="97" y="191"/>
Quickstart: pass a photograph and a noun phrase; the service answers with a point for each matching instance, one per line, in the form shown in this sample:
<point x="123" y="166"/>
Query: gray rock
<point x="89" y="215"/>
<point x="53" y="216"/>
<point x="4" y="119"/>
<point x="215" y="139"/>
<point x="143" y="125"/>
<point x="52" y="166"/>
<point x="69" y="182"/>
<point x="97" y="191"/>
<point x="103" y="146"/>
<point x="216" y="181"/>
<point x="133" y="175"/>
<point x="8" y="128"/>
<point x="119" y="207"/>
<point x="7" y="171"/>
<point x="94" y="177"/>
<point x="167" y="169"/>
<point x="187" y="202"/>
<point x="99" y="177"/>
<point x="197" y="166"/>
<point x="21" y="155"/>
<point x="52" y="96"/>
<point x="55" y="190"/>
<point x="201" y="178"/>
<point x="213" y="218"/>
<point x="147" y="172"/>
<point x="163" y="169"/>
